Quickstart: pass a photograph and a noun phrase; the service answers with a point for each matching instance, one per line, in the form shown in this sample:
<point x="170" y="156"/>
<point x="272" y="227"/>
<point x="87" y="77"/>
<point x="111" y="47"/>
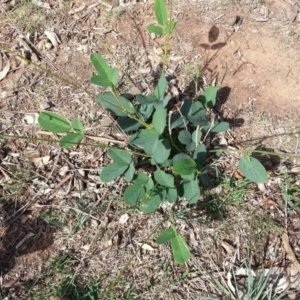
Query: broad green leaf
<point x="204" y="178"/>
<point x="142" y="99"/>
<point x="160" y="89"/>
<point x="128" y="124"/>
<point x="180" y="249"/>
<point x="53" y="122"/>
<point x="100" y="64"/>
<point x="107" y="76"/>
<point x="196" y="136"/>
<point x="162" y="103"/>
<point x="114" y="75"/>
<point x="209" y="97"/>
<point x="253" y="169"/>
<point x="190" y="191"/>
<point x="165" y="236"/>
<point x="120" y="157"/>
<point x="186" y="107"/>
<point x="172" y="195"/>
<point x="70" y="139"/>
<point x="184" y="137"/>
<point x="160" y="11"/>
<point x="167" y="163"/>
<point x="197" y="114"/>
<point x="140" y="178"/>
<point x="162" y="151"/>
<point x="220" y="127"/>
<point x="180" y="156"/>
<point x="116" y="104"/>
<point x="155" y="29"/>
<point x="133" y="194"/>
<point x="153" y="201"/>
<point x="166" y="100"/>
<point x="159" y="120"/>
<point x="200" y="154"/>
<point x="169" y="27"/>
<point x="149" y="185"/>
<point x="111" y="172"/>
<point x="178" y="121"/>
<point x="188" y="177"/>
<point x="77" y="125"/>
<point x="191" y="146"/>
<point x="185" y="167"/>
<point x="145" y="111"/>
<point x="164" y="179"/>
<point x="147" y="138"/>
<point x="130" y="172"/>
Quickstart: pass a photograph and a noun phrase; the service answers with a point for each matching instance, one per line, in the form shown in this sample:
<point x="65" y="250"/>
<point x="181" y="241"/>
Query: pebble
<point x="232" y="20"/>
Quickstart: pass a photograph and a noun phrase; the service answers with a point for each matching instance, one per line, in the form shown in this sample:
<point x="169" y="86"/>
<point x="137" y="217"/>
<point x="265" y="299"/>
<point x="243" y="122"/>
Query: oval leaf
<point x="119" y="105"/>
<point x="111" y="172"/>
<point x="140" y="178"/>
<point x="155" y="29"/>
<point x="163" y="178"/>
<point x="53" y="122"/>
<point x="154" y="199"/>
<point x="70" y="140"/>
<point x="196" y="136"/>
<point x="160" y="11"/>
<point x="165" y="236"/>
<point x="220" y="127"/>
<point x="253" y="169"/>
<point x="184" y="137"/>
<point x="209" y="97"/>
<point x="159" y="120"/>
<point x="190" y="191"/>
<point x="197" y="114"/>
<point x="185" y="167"/>
<point x="120" y="157"/>
<point x="162" y="151"/>
<point x="77" y="125"/>
<point x="107" y="76"/>
<point x="133" y="194"/>
<point x="147" y="138"/>
<point x="161" y="87"/>
<point x="172" y="195"/>
<point x="180" y="249"/>
<point x="130" y="172"/>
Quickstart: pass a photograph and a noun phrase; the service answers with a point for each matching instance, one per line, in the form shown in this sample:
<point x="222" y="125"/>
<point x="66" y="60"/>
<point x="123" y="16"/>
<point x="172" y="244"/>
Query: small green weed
<point x="27" y="15"/>
<point x="59" y="282"/>
<point x="173" y="142"/>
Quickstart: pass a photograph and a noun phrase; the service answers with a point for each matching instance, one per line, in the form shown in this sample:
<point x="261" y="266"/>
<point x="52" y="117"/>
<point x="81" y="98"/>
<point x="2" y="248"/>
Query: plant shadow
<point x="25" y="235"/>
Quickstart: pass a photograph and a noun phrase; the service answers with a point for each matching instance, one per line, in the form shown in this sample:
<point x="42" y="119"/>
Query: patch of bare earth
<point x="53" y="203"/>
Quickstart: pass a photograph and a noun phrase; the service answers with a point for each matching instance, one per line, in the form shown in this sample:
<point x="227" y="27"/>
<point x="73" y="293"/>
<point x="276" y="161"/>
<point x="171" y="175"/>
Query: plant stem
<point x="167" y="39"/>
<point x="83" y="144"/>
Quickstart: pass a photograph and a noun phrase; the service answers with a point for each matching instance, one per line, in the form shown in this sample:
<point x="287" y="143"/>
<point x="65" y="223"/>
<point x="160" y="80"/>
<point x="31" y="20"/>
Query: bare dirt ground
<point x="53" y="203"/>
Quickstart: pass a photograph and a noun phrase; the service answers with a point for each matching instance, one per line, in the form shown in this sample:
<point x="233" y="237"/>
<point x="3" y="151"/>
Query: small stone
<point x="152" y="35"/>
<point x="291" y="11"/>
<point x="232" y="20"/>
<point x="48" y="46"/>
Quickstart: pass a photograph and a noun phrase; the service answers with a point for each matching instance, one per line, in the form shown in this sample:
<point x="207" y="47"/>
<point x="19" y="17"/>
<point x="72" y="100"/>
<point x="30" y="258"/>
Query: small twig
<point x="219" y="17"/>
<point x="244" y="63"/>
<point x="210" y="127"/>
<point x="226" y="69"/>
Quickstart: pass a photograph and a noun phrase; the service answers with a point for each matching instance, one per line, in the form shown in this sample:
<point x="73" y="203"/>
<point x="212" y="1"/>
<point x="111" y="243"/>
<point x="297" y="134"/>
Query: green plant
<point x="168" y="156"/>
<point x="59" y="282"/>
